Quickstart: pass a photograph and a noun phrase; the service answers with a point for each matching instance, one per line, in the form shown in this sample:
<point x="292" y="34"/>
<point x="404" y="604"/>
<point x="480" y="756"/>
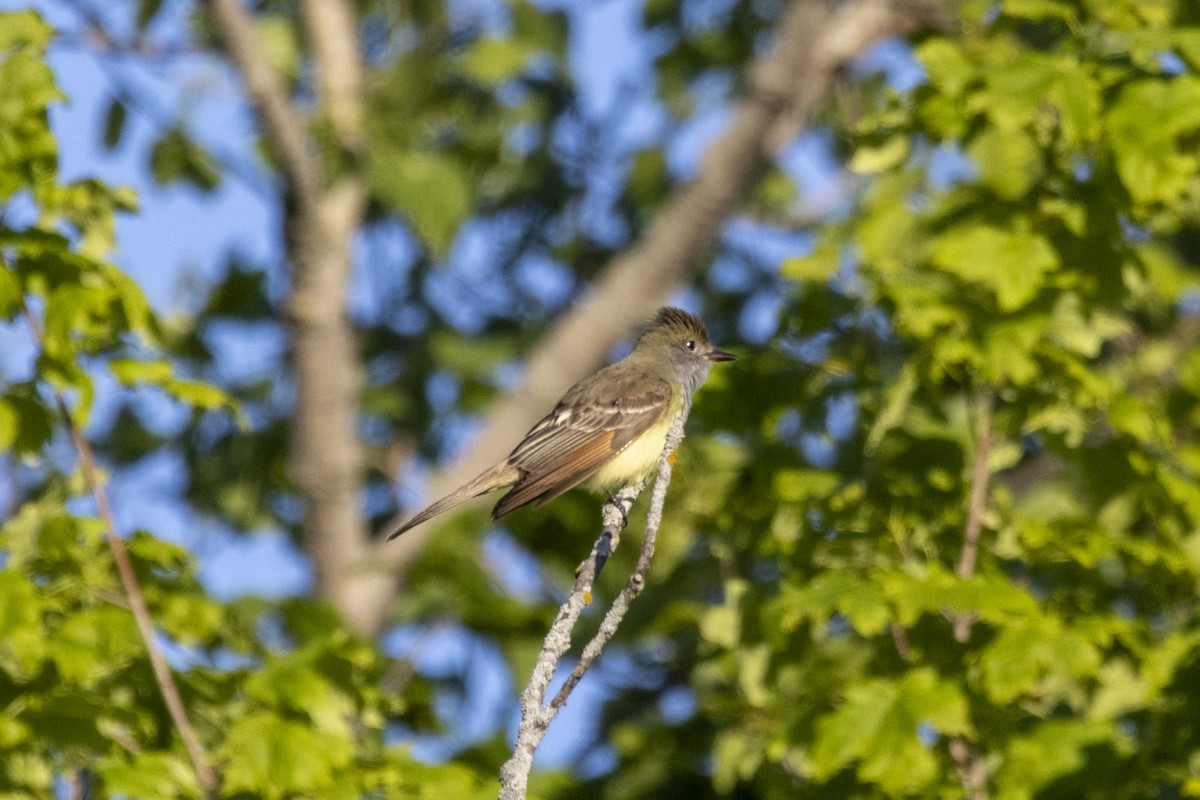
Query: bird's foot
<point x="616" y="503"/>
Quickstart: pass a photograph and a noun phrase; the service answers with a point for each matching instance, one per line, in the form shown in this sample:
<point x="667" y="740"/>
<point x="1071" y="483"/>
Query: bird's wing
<point x="576" y="439"/>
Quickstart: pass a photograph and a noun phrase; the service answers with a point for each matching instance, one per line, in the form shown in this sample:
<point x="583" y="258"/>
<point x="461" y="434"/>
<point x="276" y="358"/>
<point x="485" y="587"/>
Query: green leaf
<point x="275" y="758"/>
<point x="944" y="62"/>
<point x="476" y="357"/>
<point x="149" y="774"/>
<point x="23" y="28"/>
<point x="432" y="190"/>
<point x="722" y="624"/>
<point x="1040" y="10"/>
<point x="1053" y="749"/>
<point x="1121" y="691"/>
<point x="114" y="123"/>
<point x="1145" y="124"/>
<point x="176" y="157"/>
<point x="1009" y="161"/>
<point x="934" y="591"/>
<point x="877" y="727"/>
<point x="26" y="422"/>
<point x="870" y="159"/>
<point x="290" y="683"/>
<point x="1027" y="651"/>
<point x="1045" y="90"/>
<point x="20" y="611"/>
<point x="10" y="293"/>
<point x="199" y="394"/>
<point x="796" y="485"/>
<point x="277" y="37"/>
<point x="736" y="755"/>
<point x="861" y="601"/>
<point x="819" y="265"/>
<point x="1012" y="264"/>
<point x="132" y="372"/>
<point x="493" y="61"/>
<point x="93" y="643"/>
<point x="898" y="397"/>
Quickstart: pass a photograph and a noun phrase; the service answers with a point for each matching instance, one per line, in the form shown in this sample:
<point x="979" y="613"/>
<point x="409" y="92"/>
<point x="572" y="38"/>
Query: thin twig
<point x="137" y="601"/>
<point x="980" y="475"/>
<point x="536" y="717"/>
<point x="970" y="770"/>
<point x="967" y="760"/>
<point x="634" y="586"/>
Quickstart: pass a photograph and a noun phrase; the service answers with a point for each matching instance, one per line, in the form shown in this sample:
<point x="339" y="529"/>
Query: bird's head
<point x="682" y="340"/>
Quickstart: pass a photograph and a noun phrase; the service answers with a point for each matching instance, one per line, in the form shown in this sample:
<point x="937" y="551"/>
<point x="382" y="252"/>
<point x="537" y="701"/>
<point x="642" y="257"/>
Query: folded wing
<point x="577" y="438"/>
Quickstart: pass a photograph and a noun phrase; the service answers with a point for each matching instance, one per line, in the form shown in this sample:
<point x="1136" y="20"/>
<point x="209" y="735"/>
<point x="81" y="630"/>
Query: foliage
<point x="1024" y="320"/>
<point x="997" y="334"/>
<point x="288" y="703"/>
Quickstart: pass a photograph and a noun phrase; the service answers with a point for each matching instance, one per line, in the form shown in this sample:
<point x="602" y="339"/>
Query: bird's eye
<point x="690" y="344"/>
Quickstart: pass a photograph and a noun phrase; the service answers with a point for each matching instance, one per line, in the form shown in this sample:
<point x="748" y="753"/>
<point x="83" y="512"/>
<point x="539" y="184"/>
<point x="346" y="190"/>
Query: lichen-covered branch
<point x="536" y="715"/>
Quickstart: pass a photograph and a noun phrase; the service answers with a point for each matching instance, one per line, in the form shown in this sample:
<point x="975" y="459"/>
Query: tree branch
<point x="536" y="717"/>
<point x="976" y="505"/>
<point x="639" y="280"/>
<point x="339" y="69"/>
<point x="970" y="770"/>
<point x="285" y="126"/>
<point x="133" y="591"/>
<point x="967" y="761"/>
<point x="319" y="227"/>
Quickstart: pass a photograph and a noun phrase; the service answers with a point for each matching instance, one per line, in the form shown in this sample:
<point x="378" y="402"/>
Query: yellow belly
<point x="636" y="460"/>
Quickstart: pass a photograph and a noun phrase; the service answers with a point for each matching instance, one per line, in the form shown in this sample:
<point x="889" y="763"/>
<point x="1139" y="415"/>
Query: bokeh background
<point x="296" y="267"/>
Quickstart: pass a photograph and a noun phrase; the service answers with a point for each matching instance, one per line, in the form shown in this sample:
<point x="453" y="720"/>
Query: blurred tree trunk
<point x="322" y="214"/>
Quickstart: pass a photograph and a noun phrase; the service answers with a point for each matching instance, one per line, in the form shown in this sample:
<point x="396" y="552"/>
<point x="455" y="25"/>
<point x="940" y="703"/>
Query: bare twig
<point x="536" y="717"/>
<point x="137" y="601"/>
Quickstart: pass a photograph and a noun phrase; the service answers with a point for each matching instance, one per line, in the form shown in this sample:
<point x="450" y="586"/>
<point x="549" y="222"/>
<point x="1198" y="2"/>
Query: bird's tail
<point x="502" y="475"/>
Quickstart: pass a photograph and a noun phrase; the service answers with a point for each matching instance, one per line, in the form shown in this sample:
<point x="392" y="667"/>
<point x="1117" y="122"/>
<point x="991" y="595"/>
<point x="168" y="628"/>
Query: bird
<point x="609" y="429"/>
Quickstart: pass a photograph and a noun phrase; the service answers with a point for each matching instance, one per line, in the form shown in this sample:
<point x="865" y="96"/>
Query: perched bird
<point x="609" y="429"/>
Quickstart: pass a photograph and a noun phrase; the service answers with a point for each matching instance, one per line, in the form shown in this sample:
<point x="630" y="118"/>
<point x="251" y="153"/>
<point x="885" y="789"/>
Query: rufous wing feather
<point x="575" y="440"/>
<point x="574" y="468"/>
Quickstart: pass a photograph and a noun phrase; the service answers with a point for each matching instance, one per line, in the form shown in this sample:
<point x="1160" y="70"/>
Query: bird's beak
<point x="720" y="355"/>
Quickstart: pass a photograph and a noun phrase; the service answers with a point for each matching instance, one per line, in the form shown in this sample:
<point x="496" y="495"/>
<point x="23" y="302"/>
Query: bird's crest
<point x="677" y="321"/>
